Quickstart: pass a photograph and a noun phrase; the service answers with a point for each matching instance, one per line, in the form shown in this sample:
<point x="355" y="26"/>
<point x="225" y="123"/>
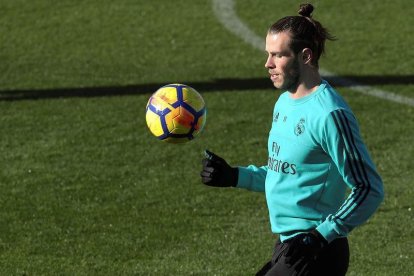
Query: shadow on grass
<point x="203" y="87"/>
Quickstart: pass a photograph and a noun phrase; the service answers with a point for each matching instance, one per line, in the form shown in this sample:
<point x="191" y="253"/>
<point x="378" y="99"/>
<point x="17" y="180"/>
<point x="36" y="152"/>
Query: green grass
<point x="86" y="189"/>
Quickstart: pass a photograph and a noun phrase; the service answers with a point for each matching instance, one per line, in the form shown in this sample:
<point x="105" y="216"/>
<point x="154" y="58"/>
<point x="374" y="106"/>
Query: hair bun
<point x="306" y="10"/>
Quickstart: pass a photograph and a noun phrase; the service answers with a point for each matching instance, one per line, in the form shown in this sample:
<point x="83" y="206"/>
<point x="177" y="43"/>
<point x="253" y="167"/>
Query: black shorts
<point x="333" y="260"/>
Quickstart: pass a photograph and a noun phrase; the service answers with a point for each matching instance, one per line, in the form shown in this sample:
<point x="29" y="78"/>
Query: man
<point x="315" y="153"/>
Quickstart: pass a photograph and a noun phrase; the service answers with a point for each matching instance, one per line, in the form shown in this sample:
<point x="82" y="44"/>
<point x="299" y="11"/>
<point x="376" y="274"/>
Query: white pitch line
<point x="225" y="13"/>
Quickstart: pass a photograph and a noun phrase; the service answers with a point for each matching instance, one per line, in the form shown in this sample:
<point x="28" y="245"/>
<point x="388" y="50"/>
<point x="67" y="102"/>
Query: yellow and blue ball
<point x="176" y="113"/>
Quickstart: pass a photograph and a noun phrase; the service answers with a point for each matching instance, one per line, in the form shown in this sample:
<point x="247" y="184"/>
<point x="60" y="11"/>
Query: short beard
<point x="292" y="78"/>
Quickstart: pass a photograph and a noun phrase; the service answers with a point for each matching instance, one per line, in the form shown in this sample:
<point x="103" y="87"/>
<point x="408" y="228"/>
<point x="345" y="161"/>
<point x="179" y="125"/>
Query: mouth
<point x="274" y="76"/>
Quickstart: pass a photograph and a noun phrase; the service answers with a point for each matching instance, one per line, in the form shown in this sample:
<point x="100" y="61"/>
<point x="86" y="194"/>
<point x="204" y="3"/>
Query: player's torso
<point x="294" y="144"/>
<point x="301" y="176"/>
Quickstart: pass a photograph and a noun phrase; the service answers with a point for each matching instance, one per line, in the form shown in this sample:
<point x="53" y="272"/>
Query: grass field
<point x="86" y="189"/>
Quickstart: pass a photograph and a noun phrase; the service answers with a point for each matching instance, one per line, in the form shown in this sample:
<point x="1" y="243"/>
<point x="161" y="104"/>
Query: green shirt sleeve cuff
<point x="244" y="178"/>
<point x="327" y="230"/>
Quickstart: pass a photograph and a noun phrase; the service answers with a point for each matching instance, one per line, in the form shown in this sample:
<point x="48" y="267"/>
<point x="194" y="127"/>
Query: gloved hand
<point x="216" y="172"/>
<point x="306" y="245"/>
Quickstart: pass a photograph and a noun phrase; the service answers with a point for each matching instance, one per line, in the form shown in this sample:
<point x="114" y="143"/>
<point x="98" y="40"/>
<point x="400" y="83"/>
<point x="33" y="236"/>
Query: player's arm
<point x="218" y="173"/>
<point x="252" y="178"/>
<point x="343" y="142"/>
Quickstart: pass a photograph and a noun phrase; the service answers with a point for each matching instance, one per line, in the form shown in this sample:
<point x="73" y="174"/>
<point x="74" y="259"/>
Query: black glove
<point x="307" y="245"/>
<point x="216" y="172"/>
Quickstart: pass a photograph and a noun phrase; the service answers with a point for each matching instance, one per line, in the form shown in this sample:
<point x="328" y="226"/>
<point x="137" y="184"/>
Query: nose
<point x="269" y="63"/>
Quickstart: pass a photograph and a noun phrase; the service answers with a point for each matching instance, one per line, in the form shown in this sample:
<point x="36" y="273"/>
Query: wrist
<point x="323" y="242"/>
<point x="235" y="176"/>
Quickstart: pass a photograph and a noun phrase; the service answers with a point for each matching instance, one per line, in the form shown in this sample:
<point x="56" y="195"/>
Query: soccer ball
<point x="176" y="113"/>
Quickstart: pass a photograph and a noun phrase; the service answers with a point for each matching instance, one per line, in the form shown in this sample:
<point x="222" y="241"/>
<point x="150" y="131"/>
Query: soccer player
<point x="315" y="152"/>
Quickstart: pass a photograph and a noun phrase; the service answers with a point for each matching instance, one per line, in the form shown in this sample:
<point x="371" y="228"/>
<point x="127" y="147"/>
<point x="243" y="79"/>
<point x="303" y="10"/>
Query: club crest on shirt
<point x="300" y="127"/>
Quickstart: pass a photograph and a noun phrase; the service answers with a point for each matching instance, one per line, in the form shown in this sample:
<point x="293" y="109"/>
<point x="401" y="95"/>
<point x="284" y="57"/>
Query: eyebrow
<point x="273" y="52"/>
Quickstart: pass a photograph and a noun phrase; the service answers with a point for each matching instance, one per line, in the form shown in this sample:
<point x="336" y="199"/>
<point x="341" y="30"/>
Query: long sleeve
<point x="252" y="178"/>
<point x="342" y="141"/>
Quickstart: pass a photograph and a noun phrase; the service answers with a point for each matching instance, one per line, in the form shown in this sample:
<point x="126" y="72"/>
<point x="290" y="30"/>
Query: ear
<point x="307" y="56"/>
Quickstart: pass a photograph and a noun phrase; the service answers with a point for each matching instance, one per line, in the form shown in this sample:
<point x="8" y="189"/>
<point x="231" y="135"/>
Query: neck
<point x="308" y="83"/>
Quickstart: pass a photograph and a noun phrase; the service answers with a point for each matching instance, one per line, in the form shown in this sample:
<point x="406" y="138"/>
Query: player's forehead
<point x="277" y="42"/>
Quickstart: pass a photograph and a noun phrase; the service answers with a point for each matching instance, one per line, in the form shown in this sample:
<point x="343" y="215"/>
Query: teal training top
<point x="315" y="153"/>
